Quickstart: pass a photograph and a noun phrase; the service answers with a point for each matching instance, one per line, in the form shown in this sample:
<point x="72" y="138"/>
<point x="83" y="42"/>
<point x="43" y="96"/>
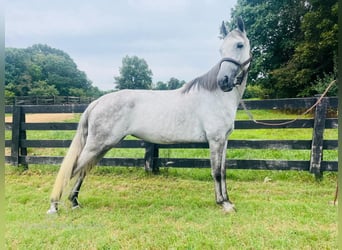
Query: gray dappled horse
<point x="203" y="110"/>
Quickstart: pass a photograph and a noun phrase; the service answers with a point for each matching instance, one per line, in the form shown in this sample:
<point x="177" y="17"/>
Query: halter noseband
<point x="242" y="72"/>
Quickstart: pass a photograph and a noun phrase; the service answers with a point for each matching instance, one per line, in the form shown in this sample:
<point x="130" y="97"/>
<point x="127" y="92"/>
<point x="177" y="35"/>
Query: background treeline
<point x="294" y="46"/>
<point x="44" y="71"/>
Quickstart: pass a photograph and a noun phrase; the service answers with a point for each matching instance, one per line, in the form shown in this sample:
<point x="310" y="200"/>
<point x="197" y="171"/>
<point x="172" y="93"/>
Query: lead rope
<point x="336" y="193"/>
<point x="251" y="117"/>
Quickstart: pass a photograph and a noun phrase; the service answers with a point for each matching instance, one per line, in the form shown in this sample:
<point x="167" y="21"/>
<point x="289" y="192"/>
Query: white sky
<point x="177" y="38"/>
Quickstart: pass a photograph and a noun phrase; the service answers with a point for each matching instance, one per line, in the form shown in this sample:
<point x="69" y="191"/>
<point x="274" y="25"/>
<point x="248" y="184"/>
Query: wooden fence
<point x="152" y="162"/>
<point x="48" y="100"/>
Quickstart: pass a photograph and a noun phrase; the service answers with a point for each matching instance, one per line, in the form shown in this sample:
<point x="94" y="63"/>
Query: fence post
<point x="17" y="135"/>
<point x="317" y="139"/>
<point x="151" y="156"/>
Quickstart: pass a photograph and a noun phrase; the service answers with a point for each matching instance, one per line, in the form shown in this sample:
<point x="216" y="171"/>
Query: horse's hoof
<point x="52" y="211"/>
<point x="76" y="207"/>
<point x="228" y="207"/>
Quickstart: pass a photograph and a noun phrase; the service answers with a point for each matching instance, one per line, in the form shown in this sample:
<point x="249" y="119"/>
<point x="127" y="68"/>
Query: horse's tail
<point x="69" y="162"/>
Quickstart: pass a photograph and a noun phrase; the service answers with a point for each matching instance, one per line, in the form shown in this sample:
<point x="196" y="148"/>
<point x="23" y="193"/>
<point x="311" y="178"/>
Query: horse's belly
<point x="165" y="139"/>
<point x="168" y="132"/>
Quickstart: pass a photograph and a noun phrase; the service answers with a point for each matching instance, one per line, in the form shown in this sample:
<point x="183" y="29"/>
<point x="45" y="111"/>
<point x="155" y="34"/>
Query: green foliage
<point x="9" y="93"/>
<point x="255" y="91"/>
<point x="41" y="88"/>
<point x="44" y="71"/>
<point x="173" y="83"/>
<point x="272" y="28"/>
<point x="134" y="74"/>
<point x="294" y="43"/>
<point x="161" y="86"/>
<point x="322" y="83"/>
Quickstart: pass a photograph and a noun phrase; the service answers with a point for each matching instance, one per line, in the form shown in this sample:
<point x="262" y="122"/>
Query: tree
<point x="161" y="86"/>
<point x="41" y="88"/>
<point x="294" y="42"/>
<point x="27" y="70"/>
<point x="273" y="28"/>
<point x="173" y="83"/>
<point x="134" y="74"/>
<point x="315" y="56"/>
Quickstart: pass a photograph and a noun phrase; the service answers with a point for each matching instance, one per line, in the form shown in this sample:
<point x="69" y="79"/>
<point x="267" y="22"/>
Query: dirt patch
<point x="44" y="117"/>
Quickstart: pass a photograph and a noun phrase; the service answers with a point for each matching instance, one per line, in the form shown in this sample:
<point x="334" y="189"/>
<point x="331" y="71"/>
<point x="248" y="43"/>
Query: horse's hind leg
<point x="73" y="197"/>
<point x="88" y="158"/>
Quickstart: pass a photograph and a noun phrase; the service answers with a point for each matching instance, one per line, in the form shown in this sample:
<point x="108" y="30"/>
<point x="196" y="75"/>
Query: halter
<point x="242" y="72"/>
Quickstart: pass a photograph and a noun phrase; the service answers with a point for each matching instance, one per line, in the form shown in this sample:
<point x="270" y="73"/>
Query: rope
<point x="251" y="117"/>
<point x="336" y="194"/>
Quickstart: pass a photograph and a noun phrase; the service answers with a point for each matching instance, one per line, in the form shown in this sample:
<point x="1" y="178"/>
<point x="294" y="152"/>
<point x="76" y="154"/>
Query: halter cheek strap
<point x="242" y="71"/>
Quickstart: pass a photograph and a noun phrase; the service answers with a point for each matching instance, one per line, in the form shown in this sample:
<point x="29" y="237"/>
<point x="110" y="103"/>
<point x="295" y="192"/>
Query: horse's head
<point x="236" y="57"/>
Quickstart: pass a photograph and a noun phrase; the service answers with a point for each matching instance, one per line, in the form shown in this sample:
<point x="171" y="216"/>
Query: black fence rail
<point x="152" y="161"/>
<point x="50" y="100"/>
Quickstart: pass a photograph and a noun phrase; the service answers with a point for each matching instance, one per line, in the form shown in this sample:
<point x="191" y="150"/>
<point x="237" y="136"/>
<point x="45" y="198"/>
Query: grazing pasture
<point x="126" y="208"/>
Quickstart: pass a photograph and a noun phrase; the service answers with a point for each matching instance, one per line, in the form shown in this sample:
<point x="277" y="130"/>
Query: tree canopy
<point x="44" y="71"/>
<point x="294" y="44"/>
<point x="134" y="74"/>
<point x="173" y="83"/>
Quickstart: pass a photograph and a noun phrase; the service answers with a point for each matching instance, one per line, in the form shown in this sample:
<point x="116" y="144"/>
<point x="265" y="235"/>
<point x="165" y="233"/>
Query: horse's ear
<point x="240" y="24"/>
<point x="223" y="30"/>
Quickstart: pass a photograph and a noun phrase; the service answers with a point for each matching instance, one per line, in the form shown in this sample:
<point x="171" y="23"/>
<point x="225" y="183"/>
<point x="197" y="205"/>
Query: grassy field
<point x="125" y="208"/>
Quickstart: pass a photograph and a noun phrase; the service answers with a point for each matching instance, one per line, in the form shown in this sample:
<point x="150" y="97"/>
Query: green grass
<point x="125" y="208"/>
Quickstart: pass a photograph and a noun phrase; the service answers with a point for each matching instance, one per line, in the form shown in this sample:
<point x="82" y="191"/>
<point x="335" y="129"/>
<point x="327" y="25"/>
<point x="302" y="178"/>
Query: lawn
<point x="125" y="208"/>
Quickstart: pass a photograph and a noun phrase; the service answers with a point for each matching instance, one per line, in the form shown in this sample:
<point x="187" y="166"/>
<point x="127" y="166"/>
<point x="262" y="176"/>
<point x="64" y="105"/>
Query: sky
<point x="177" y="38"/>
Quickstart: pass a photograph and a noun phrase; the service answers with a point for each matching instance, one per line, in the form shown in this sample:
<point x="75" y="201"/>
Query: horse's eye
<point x="239" y="45"/>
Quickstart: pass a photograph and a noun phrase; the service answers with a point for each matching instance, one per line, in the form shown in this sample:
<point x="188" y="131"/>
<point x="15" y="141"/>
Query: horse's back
<point x="157" y="116"/>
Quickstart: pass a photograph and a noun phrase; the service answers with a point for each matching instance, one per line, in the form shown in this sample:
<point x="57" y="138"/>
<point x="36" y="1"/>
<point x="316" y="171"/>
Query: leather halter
<point x="242" y="71"/>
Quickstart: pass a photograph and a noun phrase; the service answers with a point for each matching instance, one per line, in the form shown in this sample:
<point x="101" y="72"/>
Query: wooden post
<point x="23" y="151"/>
<point x="16" y="115"/>
<point x="17" y="136"/>
<point x="317" y="139"/>
<point x="151" y="156"/>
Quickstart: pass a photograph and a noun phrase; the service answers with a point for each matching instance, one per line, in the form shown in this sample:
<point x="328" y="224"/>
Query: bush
<point x="255" y="91"/>
<point x="322" y="83"/>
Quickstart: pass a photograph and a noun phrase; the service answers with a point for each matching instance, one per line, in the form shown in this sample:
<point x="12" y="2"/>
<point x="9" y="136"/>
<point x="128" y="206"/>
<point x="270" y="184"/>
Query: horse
<point x="202" y="110"/>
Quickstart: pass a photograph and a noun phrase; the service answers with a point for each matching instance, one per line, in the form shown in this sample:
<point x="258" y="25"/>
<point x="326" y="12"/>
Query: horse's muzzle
<point x="226" y="84"/>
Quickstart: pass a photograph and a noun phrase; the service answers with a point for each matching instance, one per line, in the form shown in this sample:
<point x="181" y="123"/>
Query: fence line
<point x="48" y="100"/>
<point x="152" y="161"/>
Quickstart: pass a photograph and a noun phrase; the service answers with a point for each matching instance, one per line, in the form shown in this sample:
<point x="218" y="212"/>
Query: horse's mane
<point x="206" y="81"/>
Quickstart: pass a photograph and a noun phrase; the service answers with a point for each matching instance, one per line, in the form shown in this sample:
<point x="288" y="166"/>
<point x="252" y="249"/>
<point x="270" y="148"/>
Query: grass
<point x="125" y="208"/>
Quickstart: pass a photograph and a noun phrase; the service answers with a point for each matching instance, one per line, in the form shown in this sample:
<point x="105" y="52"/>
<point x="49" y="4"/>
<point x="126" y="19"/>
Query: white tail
<point x="68" y="164"/>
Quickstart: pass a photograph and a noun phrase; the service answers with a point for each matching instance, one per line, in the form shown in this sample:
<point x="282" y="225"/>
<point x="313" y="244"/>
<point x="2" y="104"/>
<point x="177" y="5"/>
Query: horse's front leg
<point x="227" y="205"/>
<point x="218" y="171"/>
